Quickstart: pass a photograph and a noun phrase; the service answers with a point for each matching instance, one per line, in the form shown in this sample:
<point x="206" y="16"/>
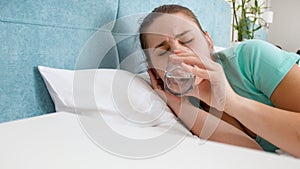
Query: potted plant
<point x="247" y="17"/>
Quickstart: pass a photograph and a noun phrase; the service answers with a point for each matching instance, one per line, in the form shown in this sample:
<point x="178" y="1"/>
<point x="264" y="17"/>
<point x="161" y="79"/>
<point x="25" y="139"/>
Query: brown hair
<point x="164" y="9"/>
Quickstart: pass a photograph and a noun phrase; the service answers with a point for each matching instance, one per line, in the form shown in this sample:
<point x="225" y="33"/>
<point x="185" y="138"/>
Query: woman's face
<point x="175" y="33"/>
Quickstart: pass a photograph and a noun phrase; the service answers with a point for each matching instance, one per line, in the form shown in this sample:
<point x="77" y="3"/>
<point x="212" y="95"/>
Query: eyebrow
<point x="176" y="36"/>
<point x="183" y="33"/>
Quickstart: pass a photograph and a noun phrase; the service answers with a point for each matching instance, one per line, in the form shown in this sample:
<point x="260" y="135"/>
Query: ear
<point x="210" y="42"/>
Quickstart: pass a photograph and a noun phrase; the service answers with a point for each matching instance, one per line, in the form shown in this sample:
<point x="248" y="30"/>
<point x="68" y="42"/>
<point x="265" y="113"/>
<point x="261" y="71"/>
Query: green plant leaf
<point x="257" y="28"/>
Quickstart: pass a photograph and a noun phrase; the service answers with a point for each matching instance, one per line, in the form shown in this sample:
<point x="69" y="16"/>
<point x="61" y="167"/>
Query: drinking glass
<point x="177" y="80"/>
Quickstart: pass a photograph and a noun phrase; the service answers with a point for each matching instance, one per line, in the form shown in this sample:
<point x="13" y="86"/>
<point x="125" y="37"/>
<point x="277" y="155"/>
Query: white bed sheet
<point x="57" y="141"/>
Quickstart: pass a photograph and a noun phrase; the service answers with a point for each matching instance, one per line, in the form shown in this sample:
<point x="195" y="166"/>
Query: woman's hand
<point x="213" y="88"/>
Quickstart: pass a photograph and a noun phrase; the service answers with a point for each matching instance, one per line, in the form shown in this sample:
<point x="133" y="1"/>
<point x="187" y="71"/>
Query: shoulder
<point x="254" y="54"/>
<point x="262" y="61"/>
<point x="254" y="43"/>
<point x="263" y="53"/>
<point x="256" y="48"/>
<point x="246" y="49"/>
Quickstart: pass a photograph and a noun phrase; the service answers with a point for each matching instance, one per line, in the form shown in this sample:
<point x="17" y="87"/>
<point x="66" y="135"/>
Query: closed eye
<point x="163" y="53"/>
<point x="188" y="41"/>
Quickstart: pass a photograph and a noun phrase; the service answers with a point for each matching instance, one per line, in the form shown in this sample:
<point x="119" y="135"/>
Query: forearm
<point x="207" y="126"/>
<point x="280" y="127"/>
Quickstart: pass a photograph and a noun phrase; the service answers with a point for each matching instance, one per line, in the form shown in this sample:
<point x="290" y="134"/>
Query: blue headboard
<point x="78" y="35"/>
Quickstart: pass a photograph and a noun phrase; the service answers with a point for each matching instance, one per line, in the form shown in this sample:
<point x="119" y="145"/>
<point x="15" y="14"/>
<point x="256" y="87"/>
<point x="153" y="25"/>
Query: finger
<point x="195" y="70"/>
<point x="184" y="54"/>
<point x="188" y="60"/>
<point x="177" y="51"/>
<point x="201" y="62"/>
<point x="202" y="73"/>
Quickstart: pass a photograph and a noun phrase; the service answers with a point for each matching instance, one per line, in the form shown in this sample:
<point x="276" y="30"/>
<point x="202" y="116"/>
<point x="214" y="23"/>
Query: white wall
<point x="285" y="29"/>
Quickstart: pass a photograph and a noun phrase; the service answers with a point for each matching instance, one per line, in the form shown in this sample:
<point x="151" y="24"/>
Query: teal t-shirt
<point x="254" y="69"/>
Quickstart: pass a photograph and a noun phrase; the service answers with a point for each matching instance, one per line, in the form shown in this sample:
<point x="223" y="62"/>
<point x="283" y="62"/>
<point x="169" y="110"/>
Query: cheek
<point x="200" y="48"/>
<point x="159" y="62"/>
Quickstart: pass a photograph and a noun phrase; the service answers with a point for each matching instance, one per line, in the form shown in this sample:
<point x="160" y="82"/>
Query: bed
<point x="68" y="69"/>
<point x="57" y="140"/>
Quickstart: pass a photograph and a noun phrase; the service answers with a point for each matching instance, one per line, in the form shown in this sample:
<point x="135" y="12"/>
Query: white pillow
<point x="117" y="94"/>
<point x="116" y="108"/>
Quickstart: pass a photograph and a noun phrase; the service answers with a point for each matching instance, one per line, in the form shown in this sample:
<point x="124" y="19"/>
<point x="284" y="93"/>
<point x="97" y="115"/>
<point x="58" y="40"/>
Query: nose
<point x="176" y="45"/>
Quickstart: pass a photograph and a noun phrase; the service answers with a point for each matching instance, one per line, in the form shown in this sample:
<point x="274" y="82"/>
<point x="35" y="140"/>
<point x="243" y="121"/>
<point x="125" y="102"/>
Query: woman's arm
<point x="279" y="126"/>
<point x="201" y="123"/>
<point x="209" y="127"/>
<point x="287" y="94"/>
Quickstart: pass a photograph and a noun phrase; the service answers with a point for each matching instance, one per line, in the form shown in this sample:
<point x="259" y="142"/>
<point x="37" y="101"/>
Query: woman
<point x="256" y="84"/>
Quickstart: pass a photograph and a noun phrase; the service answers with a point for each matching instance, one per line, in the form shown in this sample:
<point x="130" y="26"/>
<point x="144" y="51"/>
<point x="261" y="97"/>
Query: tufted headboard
<point x="73" y="34"/>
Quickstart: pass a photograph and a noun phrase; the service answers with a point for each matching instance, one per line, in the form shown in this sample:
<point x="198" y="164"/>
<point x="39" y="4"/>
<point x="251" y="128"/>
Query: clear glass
<point x="177" y="80"/>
